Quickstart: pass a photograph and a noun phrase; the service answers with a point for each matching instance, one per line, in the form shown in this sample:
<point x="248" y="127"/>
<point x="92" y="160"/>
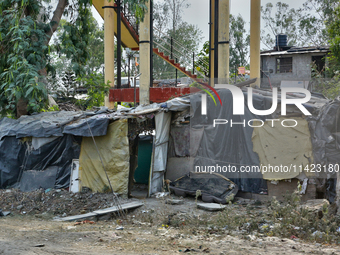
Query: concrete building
<point x="291" y="64"/>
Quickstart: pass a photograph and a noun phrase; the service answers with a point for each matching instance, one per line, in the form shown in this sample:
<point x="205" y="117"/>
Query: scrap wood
<point x="131" y="205"/>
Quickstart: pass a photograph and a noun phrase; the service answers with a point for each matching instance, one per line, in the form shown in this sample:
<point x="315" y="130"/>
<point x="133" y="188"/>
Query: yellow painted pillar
<point x="223" y="42"/>
<point x="144" y="58"/>
<point x="212" y="42"/>
<point x="255" y="30"/>
<point x="109" y="46"/>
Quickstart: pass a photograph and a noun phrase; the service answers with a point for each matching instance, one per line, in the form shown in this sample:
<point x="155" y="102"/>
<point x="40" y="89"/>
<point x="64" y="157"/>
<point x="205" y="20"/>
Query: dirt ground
<point x="145" y="231"/>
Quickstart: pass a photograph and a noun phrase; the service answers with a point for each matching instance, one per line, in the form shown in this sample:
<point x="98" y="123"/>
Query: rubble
<point x="174" y="201"/>
<point x="67" y="106"/>
<point x="316" y="206"/>
<point x="54" y="202"/>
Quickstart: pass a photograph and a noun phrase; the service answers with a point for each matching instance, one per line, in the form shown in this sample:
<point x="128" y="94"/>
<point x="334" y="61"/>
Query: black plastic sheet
<point x="47" y="167"/>
<point x="223" y="144"/>
<point x="325" y="130"/>
<point x="49" y="124"/>
<point x="12" y="154"/>
<point x="218" y="190"/>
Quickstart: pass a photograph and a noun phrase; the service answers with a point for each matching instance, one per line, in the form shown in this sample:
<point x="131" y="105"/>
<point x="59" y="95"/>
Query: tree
<point x="202" y="62"/>
<point x="25" y="34"/>
<point x="128" y="63"/>
<point x="238" y="46"/>
<point x="306" y="26"/>
<point x="239" y="42"/>
<point x="283" y="21"/>
<point x="333" y="29"/>
<point x="313" y="19"/>
<point x="176" y="8"/>
<point x="186" y="37"/>
<point x="90" y="79"/>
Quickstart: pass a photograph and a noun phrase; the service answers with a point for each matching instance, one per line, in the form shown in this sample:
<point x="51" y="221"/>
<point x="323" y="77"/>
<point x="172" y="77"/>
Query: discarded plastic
<point x="2" y="214"/>
<point x="162" y="194"/>
<point x="48" y="190"/>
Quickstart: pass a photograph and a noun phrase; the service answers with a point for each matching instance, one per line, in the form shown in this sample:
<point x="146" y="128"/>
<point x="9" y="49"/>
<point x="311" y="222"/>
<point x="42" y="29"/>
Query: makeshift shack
<point x="37" y="151"/>
<point x="194" y="142"/>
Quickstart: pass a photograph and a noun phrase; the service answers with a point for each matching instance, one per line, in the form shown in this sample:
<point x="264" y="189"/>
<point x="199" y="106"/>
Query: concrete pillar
<point x="255" y="31"/>
<point x="212" y="41"/>
<point x="109" y="46"/>
<point x="223" y="42"/>
<point x="144" y="58"/>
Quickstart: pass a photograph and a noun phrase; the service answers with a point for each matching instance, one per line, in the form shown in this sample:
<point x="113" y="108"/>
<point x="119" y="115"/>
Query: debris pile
<point x="67" y="106"/>
<point x="57" y="202"/>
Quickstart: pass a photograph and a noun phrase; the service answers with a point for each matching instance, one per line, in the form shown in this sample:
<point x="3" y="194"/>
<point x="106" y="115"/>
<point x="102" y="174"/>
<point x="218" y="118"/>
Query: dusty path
<point x="242" y="228"/>
<point x="20" y="235"/>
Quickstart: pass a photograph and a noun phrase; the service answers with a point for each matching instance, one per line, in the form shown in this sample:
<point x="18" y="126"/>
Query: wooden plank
<point x="77" y="217"/>
<point x="113" y="209"/>
<point x="128" y="206"/>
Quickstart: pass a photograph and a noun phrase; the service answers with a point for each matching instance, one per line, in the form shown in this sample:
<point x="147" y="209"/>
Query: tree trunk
<point x="54" y="23"/>
<point x="21" y="108"/>
<point x="56" y="19"/>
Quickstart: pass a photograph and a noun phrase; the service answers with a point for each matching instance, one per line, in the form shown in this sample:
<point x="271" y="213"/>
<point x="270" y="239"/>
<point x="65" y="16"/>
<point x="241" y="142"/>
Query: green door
<point x="144" y="159"/>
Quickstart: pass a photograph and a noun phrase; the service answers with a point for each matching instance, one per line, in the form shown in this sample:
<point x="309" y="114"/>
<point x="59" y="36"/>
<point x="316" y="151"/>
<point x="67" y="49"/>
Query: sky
<point x="198" y="13"/>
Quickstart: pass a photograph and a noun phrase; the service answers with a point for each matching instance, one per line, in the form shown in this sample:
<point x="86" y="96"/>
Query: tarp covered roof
<point x="49" y="124"/>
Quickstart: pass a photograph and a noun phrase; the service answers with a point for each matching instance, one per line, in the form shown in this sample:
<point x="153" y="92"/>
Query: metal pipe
<point x="210" y="25"/>
<point x="216" y="40"/>
<point x="151" y="43"/>
<point x="134" y="88"/>
<point x="193" y="63"/>
<point x="176" y="72"/>
<point x="119" y="46"/>
<point x="171" y="45"/>
<point x="134" y="91"/>
<point x="129" y="58"/>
